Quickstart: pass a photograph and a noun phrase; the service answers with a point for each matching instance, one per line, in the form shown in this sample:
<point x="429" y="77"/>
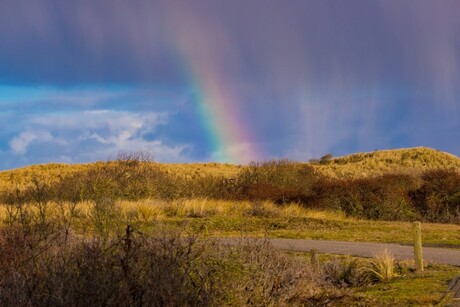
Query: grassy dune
<point x="409" y="160"/>
<point x="52" y="171"/>
<point x="288" y="220"/>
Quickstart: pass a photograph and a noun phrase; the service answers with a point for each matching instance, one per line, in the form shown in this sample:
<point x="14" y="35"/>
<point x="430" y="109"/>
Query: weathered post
<point x="418" y="246"/>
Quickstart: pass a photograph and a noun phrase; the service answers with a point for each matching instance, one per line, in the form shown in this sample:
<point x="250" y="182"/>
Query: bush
<point x="438" y="198"/>
<point x="279" y="181"/>
<point x="381" y="198"/>
<point x="326" y="159"/>
<point x="169" y="268"/>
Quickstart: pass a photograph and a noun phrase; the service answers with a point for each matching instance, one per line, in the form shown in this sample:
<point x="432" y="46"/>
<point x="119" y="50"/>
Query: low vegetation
<point x="406" y="288"/>
<point x="431" y="195"/>
<point x="46" y="260"/>
<point x="131" y="231"/>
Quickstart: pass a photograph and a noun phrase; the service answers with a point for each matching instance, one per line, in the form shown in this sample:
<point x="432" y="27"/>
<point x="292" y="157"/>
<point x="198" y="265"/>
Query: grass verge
<point x="426" y="289"/>
<point x="405" y="288"/>
<point x="225" y="218"/>
<point x="325" y="229"/>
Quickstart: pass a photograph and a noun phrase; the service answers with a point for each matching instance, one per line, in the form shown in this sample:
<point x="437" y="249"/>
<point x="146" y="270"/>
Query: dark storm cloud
<point x="61" y="42"/>
<point x="308" y="77"/>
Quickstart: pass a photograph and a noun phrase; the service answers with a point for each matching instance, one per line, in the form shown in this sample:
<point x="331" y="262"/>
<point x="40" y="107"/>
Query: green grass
<point x="322" y="229"/>
<point x="419" y="289"/>
<point x="408" y="288"/>
<point x="227" y="218"/>
<point x="224" y="218"/>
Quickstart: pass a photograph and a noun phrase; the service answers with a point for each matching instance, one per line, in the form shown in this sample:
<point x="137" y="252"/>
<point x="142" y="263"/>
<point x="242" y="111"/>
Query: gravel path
<point x="362" y="249"/>
<point x="365" y="249"/>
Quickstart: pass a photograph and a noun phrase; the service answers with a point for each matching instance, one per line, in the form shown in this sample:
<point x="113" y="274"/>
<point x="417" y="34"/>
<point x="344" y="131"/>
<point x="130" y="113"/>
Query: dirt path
<point x="364" y="249"/>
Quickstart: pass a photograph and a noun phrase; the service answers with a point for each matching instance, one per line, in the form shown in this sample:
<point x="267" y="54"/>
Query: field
<point x="110" y="231"/>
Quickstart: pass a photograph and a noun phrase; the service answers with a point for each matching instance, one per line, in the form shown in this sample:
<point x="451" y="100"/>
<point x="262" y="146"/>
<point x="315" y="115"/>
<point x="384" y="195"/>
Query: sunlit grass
<point x="408" y="288"/>
<point x="413" y="289"/>
<point x="410" y="161"/>
<point x="382" y="266"/>
<point x="224" y="218"/>
<point x="108" y="216"/>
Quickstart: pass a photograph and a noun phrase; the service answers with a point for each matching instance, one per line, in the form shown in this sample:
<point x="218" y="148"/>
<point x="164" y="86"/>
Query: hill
<point x="369" y="164"/>
<point x="52" y="171"/>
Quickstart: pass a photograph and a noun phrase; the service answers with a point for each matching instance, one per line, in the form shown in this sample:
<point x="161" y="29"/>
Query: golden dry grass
<point x="407" y="160"/>
<point x="52" y="171"/>
<point x="151" y="209"/>
<point x="382" y="266"/>
<point x="202" y="169"/>
<point x="410" y="160"/>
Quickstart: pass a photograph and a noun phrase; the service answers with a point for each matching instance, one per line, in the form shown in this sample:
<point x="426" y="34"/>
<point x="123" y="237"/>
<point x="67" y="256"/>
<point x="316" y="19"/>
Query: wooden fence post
<point x="418" y="246"/>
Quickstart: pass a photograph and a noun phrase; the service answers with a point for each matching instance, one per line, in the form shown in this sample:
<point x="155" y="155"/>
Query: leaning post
<point x="418" y="246"/>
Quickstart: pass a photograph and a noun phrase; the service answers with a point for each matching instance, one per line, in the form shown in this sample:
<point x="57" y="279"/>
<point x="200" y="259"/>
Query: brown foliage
<point x="279" y="181"/>
<point x="381" y="198"/>
<point x="438" y="198"/>
<point x="169" y="268"/>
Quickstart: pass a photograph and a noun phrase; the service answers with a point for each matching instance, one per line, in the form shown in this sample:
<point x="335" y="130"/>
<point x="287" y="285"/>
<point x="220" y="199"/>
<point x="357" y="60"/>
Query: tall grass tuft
<point x="382" y="266"/>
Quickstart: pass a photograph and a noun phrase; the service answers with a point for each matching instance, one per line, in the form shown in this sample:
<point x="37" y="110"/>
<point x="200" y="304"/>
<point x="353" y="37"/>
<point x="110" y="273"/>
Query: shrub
<point x="326" y="159"/>
<point x="438" y="198"/>
<point x="381" y="198"/>
<point x="279" y="181"/>
<point x="169" y="268"/>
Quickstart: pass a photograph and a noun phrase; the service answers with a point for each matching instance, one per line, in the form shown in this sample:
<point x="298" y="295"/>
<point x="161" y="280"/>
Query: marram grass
<point x="409" y="161"/>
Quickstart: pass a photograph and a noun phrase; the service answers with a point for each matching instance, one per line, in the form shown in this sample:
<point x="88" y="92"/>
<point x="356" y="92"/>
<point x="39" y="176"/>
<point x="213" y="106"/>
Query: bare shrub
<point x="105" y="217"/>
<point x="131" y="176"/>
<point x="271" y="278"/>
<point x="169" y="268"/>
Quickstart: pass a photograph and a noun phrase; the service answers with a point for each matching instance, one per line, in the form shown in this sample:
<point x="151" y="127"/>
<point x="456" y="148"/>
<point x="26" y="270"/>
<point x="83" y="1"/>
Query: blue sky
<point x="82" y="80"/>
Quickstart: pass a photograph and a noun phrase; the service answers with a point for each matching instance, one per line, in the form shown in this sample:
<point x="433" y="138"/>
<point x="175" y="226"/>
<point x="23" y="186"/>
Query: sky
<point x="226" y="81"/>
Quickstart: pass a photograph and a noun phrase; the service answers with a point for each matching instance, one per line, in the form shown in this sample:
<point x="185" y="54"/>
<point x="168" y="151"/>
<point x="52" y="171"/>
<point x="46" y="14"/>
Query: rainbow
<point x="228" y="136"/>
